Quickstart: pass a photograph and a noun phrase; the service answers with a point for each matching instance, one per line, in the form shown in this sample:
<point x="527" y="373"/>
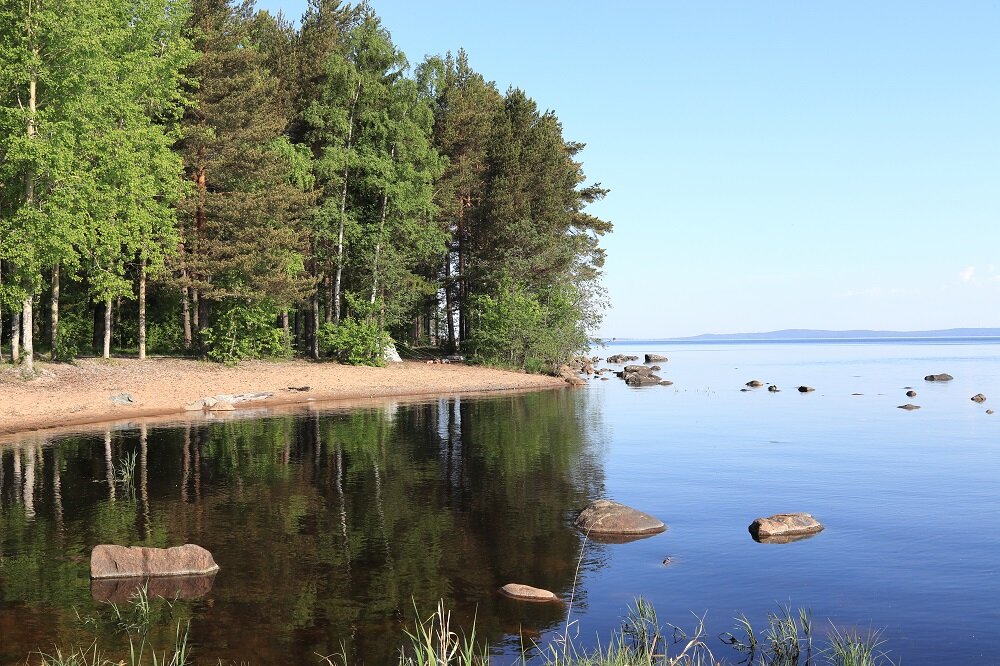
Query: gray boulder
<point x="607" y="518"/>
<point x="655" y="358"/>
<point x="622" y="358"/>
<point x="943" y="377"/>
<point x="641" y="379"/>
<point x="109" y="561"/>
<point x="979" y="397"/>
<point x="909" y="407"/>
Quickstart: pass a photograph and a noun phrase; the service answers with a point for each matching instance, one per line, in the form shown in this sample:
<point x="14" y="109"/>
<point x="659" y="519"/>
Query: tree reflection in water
<point x="331" y="527"/>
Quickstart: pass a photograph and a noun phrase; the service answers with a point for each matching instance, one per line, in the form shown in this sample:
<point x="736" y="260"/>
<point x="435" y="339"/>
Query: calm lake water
<point x="331" y="526"/>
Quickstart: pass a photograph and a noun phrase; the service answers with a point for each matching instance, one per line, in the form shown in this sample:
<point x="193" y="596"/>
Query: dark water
<point x="331" y="527"/>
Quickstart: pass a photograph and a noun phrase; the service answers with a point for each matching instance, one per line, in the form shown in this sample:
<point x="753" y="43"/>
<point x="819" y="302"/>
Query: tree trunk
<point x="55" y="311"/>
<point x="314" y="338"/>
<point x="142" y="310"/>
<point x="107" y="329"/>
<point x="186" y="312"/>
<point x="448" y="305"/>
<point x="15" y="337"/>
<point x="328" y="292"/>
<point x="195" y="311"/>
<point x="343" y="211"/>
<point x="27" y="328"/>
<point x="284" y="324"/>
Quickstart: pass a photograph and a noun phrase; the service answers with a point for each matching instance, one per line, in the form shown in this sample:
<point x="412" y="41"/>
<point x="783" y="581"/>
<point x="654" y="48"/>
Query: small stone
<point x="755" y="383"/>
<point x="979" y="397"/>
<point x="911" y="394"/>
<point x="943" y="377"/>
<point x="527" y="593"/>
<point x="909" y="407"/>
<point x="773" y="389"/>
<point x="806" y="389"/>
<point x="666" y="382"/>
<point x="784" y="525"/>
<point x="989" y="411"/>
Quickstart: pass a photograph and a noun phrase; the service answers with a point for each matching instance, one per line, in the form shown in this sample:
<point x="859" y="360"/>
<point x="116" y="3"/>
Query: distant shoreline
<point x="810" y="335"/>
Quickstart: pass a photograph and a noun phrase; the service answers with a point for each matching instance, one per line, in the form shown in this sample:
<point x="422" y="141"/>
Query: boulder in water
<point x="655" y="358"/>
<point x="979" y="397"/>
<point x="909" y="407"/>
<point x="110" y="561"/>
<point x="806" y="389"/>
<point x="784" y="525"/>
<point x="608" y="518"/>
<point x="527" y="593"/>
<point x="943" y="377"/>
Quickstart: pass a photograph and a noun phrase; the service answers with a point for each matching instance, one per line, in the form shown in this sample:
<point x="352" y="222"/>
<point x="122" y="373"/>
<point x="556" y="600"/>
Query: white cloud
<point x="968" y="275"/>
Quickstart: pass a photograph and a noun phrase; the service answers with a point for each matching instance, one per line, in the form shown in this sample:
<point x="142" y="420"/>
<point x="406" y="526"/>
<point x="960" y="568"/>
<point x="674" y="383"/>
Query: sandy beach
<point x="67" y="395"/>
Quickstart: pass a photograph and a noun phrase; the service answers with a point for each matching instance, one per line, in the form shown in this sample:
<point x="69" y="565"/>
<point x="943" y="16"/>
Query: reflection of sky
<point x="908" y="498"/>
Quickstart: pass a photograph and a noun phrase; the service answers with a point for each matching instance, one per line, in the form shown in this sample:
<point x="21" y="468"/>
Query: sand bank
<point x="68" y="395"/>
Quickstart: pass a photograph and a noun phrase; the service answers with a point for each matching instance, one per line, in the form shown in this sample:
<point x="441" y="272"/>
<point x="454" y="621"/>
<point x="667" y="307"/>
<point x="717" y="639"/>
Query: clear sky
<point x="780" y="164"/>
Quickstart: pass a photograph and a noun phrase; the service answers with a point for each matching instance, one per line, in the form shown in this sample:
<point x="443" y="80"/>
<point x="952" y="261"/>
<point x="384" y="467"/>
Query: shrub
<point x="244" y="331"/>
<point x="355" y="341"/>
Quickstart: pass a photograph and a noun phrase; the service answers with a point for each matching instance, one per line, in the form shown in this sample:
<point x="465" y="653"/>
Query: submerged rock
<point x="110" y="561"/>
<point x="782" y="525"/>
<point x="908" y="407"/>
<point x="989" y="411"/>
<point x="943" y="377"/>
<point x="608" y="518"/>
<point x="655" y="358"/>
<point x="666" y="382"/>
<point x="979" y="397"/>
<point x="527" y="593"/>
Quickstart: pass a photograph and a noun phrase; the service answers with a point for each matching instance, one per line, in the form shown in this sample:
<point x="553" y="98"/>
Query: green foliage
<point x="519" y="329"/>
<point x="355" y="341"/>
<point x="165" y="337"/>
<point x="74" y="335"/>
<point x="243" y="331"/>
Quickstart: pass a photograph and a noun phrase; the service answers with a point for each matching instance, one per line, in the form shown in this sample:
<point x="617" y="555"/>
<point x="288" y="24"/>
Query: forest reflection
<point x="333" y="529"/>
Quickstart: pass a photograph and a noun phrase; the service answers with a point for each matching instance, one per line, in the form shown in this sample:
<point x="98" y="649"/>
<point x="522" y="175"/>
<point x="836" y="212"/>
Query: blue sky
<point x="772" y="165"/>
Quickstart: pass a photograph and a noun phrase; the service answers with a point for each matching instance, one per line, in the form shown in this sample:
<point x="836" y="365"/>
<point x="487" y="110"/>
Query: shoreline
<point x="65" y="396"/>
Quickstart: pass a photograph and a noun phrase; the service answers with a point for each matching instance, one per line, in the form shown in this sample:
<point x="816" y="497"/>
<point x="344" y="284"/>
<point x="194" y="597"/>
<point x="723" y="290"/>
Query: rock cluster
<point x="622" y="358"/>
<point x="639" y="375"/>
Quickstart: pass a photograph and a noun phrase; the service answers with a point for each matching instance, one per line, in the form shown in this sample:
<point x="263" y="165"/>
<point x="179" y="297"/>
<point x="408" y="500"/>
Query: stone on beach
<point x="605" y="517"/>
<point x="110" y="561"/>
<point x="784" y="525"/>
<point x="943" y="377"/>
<point x="527" y="593"/>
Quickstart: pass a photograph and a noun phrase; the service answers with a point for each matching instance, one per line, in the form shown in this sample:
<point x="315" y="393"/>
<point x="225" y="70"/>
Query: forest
<point x="197" y="177"/>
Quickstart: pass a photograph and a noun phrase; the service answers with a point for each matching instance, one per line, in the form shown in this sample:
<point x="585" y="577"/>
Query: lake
<point x="334" y="528"/>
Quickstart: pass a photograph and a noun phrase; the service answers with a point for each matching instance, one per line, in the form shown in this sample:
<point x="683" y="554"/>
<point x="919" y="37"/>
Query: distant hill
<point x="812" y="334"/>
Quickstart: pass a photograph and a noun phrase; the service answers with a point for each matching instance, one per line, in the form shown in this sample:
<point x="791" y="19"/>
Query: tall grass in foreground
<point x="787" y="640"/>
